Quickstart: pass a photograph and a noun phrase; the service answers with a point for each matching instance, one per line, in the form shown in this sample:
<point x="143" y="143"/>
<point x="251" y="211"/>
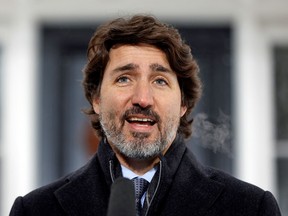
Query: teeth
<point x="141" y="119"/>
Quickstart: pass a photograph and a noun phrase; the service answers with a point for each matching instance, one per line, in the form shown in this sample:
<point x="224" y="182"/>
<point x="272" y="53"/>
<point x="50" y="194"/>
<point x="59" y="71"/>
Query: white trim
<point x="19" y="129"/>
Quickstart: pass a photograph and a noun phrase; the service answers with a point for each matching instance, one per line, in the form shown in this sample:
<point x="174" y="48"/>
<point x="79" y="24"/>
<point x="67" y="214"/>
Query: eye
<point x="123" y="79"/>
<point x="161" y="82"/>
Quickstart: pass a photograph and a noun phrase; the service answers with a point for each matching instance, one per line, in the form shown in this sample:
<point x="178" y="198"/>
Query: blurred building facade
<point x="242" y="50"/>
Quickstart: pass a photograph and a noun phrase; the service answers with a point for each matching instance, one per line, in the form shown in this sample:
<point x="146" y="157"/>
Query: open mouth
<point x="141" y="121"/>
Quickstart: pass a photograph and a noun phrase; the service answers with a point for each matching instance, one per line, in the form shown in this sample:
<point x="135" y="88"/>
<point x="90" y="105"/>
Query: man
<point x="142" y="83"/>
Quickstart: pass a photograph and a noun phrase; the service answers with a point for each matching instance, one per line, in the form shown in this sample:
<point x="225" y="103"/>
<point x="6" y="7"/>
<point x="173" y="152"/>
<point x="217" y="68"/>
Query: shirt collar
<point x="127" y="173"/>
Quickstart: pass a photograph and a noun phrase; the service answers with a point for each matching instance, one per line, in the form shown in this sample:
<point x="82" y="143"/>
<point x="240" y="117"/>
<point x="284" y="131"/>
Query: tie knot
<point x="140" y="185"/>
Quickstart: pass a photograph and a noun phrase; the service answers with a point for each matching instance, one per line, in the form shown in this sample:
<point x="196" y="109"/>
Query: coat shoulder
<point x="40" y="201"/>
<point x="243" y="196"/>
<point x="46" y="192"/>
<point x="237" y="197"/>
<point x="232" y="183"/>
<point x="43" y="200"/>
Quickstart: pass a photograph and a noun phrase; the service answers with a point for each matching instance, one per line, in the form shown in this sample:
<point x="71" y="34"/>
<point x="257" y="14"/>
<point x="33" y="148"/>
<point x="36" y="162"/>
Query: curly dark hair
<point x="142" y="29"/>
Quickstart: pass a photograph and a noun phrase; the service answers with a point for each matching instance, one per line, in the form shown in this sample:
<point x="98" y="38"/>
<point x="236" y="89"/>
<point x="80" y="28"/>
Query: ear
<point x="183" y="110"/>
<point x="96" y="105"/>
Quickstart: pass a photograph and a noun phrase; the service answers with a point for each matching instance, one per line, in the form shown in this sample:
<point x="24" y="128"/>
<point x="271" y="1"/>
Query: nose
<point x="143" y="95"/>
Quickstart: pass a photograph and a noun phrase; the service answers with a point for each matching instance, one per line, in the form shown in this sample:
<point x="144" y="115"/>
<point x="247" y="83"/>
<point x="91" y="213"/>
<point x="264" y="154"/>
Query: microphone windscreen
<point x="122" y="198"/>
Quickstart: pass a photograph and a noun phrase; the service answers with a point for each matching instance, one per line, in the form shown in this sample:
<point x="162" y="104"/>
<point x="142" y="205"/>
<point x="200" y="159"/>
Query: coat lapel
<point x="85" y="192"/>
<point x="195" y="195"/>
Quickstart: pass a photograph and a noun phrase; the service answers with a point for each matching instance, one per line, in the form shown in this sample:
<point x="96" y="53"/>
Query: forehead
<point x="141" y="53"/>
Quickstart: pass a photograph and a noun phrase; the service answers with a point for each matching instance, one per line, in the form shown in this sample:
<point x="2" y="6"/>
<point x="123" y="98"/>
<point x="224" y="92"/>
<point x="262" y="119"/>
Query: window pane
<point x="281" y="73"/>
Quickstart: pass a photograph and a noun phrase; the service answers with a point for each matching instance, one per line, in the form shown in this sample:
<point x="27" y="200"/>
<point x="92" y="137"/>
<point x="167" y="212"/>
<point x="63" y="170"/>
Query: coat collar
<point x="79" y="195"/>
<point x="183" y="177"/>
<point x="87" y="190"/>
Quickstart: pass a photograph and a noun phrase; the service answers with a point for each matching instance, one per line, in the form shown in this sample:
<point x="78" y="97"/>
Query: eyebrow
<point x="159" y="68"/>
<point x="127" y="67"/>
<point x="154" y="67"/>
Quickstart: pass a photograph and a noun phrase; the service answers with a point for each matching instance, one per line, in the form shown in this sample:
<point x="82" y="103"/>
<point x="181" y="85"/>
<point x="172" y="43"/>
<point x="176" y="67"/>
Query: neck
<point x="138" y="166"/>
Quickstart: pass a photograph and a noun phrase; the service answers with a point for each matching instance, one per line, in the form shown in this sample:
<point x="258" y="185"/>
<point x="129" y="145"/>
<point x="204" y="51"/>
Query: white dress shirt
<point x="130" y="175"/>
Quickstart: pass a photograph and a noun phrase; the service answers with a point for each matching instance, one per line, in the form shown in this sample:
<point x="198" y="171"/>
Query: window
<point x="281" y="101"/>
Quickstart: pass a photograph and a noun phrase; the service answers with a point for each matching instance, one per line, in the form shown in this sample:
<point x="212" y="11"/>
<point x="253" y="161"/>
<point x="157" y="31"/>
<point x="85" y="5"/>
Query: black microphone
<point x="122" y="198"/>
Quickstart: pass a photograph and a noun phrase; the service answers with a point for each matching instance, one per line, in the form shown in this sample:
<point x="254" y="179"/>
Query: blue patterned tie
<point x="141" y="186"/>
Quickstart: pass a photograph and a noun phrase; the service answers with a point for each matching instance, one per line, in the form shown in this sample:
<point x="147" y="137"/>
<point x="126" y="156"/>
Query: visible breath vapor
<point x="215" y="136"/>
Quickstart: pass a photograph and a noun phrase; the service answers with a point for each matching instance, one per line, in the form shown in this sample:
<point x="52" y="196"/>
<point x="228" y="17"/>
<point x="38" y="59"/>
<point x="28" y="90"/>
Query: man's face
<point x="140" y="101"/>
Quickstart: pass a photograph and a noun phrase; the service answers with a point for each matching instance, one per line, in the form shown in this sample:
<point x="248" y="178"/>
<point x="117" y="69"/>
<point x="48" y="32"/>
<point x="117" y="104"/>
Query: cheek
<point x="116" y="103"/>
<point x="172" y="106"/>
<point x="171" y="111"/>
<point x="111" y="108"/>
